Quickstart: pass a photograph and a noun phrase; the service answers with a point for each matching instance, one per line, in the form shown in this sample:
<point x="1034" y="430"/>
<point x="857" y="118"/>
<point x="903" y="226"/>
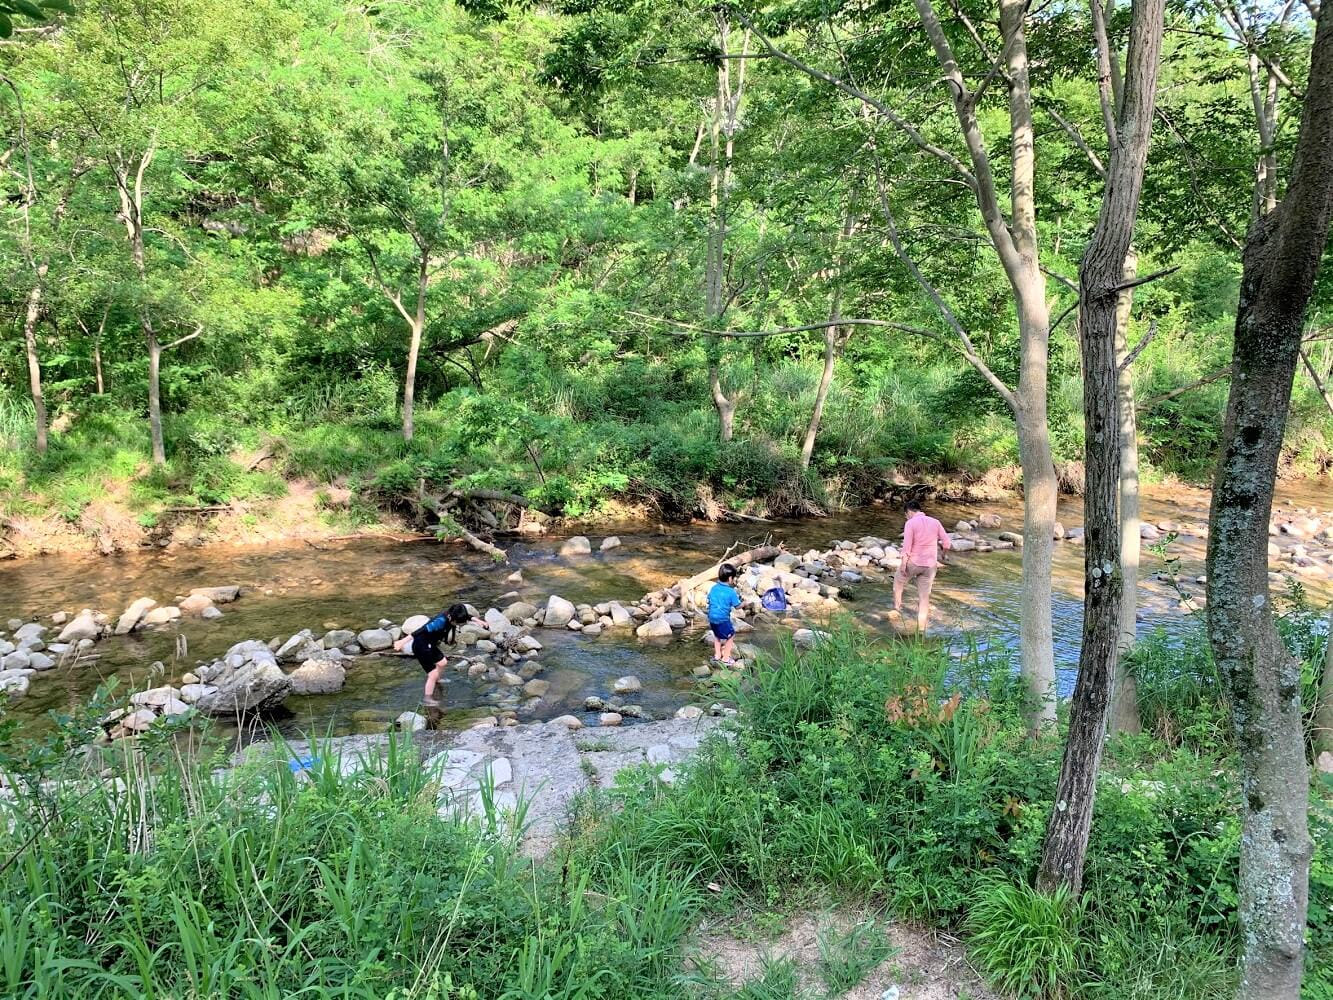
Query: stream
<point x="355" y="583"/>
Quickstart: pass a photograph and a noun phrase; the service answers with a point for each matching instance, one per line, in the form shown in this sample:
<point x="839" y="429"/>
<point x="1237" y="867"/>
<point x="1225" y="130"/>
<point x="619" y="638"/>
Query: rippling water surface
<point x="355" y="583"/>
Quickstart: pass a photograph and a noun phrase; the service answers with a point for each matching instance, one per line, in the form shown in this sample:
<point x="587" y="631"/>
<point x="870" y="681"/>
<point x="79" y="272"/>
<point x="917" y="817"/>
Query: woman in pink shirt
<point x="920" y="558"/>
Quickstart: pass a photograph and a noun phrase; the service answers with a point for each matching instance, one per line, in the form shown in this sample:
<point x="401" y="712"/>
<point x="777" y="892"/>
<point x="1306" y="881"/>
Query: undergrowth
<point x="887" y="774"/>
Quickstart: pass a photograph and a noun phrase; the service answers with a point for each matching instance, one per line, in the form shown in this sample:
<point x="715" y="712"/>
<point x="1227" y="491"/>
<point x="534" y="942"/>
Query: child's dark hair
<point x="458" y="615"/>
<point x="912" y="504"/>
<point x="726" y="573"/>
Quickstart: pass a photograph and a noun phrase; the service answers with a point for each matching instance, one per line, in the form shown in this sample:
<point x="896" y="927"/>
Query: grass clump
<point x="1028" y="942"/>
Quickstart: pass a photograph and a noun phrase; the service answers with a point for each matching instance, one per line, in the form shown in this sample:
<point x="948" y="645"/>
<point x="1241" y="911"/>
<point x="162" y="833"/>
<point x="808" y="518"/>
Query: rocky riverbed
<point x="302" y="634"/>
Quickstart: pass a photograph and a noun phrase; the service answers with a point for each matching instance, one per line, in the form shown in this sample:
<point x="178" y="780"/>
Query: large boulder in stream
<point x="576" y="546"/>
<point x="218" y="595"/>
<point x="84" y="626"/>
<point x="559" y="612"/>
<point x="247" y="679"/>
<point x="318" y="676"/>
<point x="133" y="616"/>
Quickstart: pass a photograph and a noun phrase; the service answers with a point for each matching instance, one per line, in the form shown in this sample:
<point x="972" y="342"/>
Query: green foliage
<point x="846" y="956"/>
<point x="1028" y="943"/>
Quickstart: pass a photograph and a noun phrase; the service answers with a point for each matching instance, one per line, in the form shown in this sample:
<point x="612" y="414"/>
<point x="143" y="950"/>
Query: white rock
<point x="610" y="542"/>
<point x="576" y="546"/>
<point x="689" y="712"/>
<point x="570" y="722"/>
<point x="594" y="629"/>
<point x="133" y="615"/>
<point x="656" y="628"/>
<point x="29" y="631"/>
<point x="964" y="545"/>
<point x="218" y="595"/>
<point x="1149" y="532"/>
<point x="160" y="616"/>
<point x="40" y="661"/>
<point x="13" y="683"/>
<point x="84" y="626"/>
<point x="559" y="612"/>
<point x="527" y="644"/>
<point x="17" y="660"/>
<point x="675" y="619"/>
<point x="374" y="639"/>
<point x="210" y="613"/>
<point x="409" y="626"/>
<point x="318" y="676"/>
<point x="609" y="719"/>
<point x="619" y="616"/>
<point x="629" y="684"/>
<point x="196" y="604"/>
<point x="191" y="693"/>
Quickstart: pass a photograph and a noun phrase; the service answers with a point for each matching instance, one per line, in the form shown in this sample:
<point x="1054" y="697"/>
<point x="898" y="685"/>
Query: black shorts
<point x="426" y="651"/>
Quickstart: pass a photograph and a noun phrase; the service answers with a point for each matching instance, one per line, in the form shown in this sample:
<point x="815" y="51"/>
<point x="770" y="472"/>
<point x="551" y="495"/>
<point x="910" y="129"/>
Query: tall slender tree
<point x="1283" y="251"/>
<point x="1128" y="124"/>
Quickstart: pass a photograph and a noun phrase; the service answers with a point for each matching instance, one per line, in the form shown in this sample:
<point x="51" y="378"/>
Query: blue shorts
<point x="723" y="630"/>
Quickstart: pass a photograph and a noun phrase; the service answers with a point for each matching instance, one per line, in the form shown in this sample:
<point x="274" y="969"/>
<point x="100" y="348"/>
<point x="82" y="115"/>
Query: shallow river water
<point x="355" y="583"/>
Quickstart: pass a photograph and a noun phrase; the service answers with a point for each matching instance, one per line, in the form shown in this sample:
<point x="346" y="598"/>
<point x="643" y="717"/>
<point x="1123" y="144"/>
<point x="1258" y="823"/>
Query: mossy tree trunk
<point x="1101" y="284"/>
<point x="1261" y="678"/>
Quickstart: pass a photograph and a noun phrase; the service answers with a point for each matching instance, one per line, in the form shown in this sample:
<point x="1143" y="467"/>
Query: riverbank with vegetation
<point x="881" y="780"/>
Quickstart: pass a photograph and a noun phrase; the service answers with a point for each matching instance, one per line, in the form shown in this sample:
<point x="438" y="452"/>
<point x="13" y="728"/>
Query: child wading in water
<point x="922" y="535"/>
<point x="722" y="598"/>
<point x="425" y="642"/>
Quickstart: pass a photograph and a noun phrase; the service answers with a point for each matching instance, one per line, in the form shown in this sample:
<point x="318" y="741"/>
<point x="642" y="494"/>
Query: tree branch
<point x="1139" y="347"/>
<point x="880" y="107"/>
<point x="180" y="340"/>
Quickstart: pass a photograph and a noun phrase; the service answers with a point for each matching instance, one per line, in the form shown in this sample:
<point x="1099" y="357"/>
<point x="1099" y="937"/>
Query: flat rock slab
<point x="667" y="742"/>
<point x="543" y="765"/>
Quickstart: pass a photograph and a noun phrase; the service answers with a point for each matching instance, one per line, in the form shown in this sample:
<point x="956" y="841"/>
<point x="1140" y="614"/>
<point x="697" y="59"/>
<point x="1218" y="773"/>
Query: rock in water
<point x="375" y="639"/>
<point x="609" y="719"/>
<point x="619" y="616"/>
<point x="657" y="628"/>
<point x="989" y="520"/>
<point x="318" y="677"/>
<point x="1012" y="537"/>
<point x="247" y="679"/>
<point x="218" y="595"/>
<point x="410" y="722"/>
<point x="689" y="712"/>
<point x="84" y="626"/>
<point x="628" y="684"/>
<point x="196" y="604"/>
<point x="610" y="542"/>
<point x="570" y="722"/>
<point x="133" y="615"/>
<point x="807" y="638"/>
<point x="675" y="619"/>
<point x="576" y="546"/>
<point x="160" y="616"/>
<point x="298" y="648"/>
<point x="210" y="613"/>
<point x="32" y="630"/>
<point x="520" y="611"/>
<point x="559" y="612"/>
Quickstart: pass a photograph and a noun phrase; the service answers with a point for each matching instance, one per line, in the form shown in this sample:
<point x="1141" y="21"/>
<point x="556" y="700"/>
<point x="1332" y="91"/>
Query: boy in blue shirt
<point x="722" y="598"/>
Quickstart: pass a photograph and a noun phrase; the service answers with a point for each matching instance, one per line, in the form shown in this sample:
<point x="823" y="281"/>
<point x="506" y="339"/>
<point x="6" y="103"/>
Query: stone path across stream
<point x="543" y="765"/>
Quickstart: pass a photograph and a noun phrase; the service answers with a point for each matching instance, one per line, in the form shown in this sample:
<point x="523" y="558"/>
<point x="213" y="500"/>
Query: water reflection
<point x="355" y="583"/>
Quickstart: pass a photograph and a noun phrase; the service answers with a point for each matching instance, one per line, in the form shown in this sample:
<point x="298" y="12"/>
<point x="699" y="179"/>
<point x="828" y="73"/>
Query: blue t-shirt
<point x="721" y="599"/>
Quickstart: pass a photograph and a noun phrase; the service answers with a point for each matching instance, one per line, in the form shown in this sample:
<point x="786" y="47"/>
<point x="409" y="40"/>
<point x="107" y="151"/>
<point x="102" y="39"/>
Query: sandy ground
<point x="924" y="964"/>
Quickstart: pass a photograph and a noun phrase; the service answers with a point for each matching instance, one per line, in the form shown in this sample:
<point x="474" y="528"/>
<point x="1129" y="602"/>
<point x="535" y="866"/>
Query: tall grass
<point x="174" y="879"/>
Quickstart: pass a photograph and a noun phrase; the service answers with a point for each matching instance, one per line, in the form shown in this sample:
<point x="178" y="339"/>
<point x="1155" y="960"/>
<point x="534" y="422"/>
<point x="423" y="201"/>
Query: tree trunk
<point x="417" y="327"/>
<point x="1323" y="716"/>
<point x="154" y="391"/>
<point x="410" y="382"/>
<point x="1124" y="691"/>
<point x="725" y="109"/>
<point x="1101" y="274"/>
<point x="1040" y="489"/>
<point x="97" y="366"/>
<point x="832" y="335"/>
<point x="1261" y="678"/>
<point x="30" y="318"/>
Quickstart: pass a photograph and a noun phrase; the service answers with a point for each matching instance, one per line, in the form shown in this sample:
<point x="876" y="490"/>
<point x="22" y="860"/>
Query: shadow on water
<point x="353" y="584"/>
